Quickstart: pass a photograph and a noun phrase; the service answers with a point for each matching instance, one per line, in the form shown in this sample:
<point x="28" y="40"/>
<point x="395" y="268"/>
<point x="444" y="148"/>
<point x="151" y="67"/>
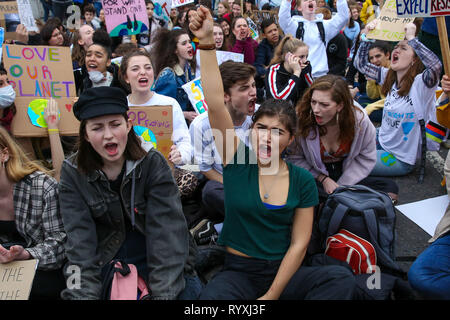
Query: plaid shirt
<point x="38" y="219"/>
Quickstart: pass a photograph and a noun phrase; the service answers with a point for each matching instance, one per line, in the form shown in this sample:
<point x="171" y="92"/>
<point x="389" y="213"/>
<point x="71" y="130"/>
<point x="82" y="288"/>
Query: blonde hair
<point x="287" y="44"/>
<point x="18" y="165"/>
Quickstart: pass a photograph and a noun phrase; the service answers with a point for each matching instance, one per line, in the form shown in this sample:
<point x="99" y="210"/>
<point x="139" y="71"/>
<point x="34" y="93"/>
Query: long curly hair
<point x="164" y="48"/>
<point x="340" y="94"/>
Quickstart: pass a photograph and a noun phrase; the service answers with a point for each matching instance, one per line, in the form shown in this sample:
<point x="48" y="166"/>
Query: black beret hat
<point x="100" y="101"/>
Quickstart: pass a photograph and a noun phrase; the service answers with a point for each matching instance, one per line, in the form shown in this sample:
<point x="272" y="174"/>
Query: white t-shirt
<point x="400" y="129"/>
<point x="180" y="135"/>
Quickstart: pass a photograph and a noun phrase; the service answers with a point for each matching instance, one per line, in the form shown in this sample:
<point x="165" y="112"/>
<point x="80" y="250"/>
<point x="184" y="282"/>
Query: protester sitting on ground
<point x="136" y="72"/>
<point x="289" y="74"/>
<point x="119" y="201"/>
<point x="240" y="40"/>
<point x="89" y="14"/>
<point x="222" y="9"/>
<point x="235" y="12"/>
<point x="240" y="98"/>
<point x="226" y="27"/>
<point x="264" y="53"/>
<point x="81" y="40"/>
<point x="312" y="26"/>
<point x="173" y="58"/>
<point x="409" y="86"/>
<point x="99" y="71"/>
<point x="7" y="98"/>
<point x="336" y="140"/>
<point x="53" y="34"/>
<point x="379" y="55"/>
<point x="31" y="226"/>
<point x="263" y="255"/>
<point x="430" y="273"/>
<point x="219" y="38"/>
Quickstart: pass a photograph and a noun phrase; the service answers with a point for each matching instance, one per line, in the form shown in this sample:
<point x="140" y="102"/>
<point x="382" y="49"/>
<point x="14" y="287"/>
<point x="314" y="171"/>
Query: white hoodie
<point x="317" y="50"/>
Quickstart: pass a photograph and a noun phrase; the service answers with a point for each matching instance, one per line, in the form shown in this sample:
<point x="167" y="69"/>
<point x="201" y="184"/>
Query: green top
<point x="249" y="226"/>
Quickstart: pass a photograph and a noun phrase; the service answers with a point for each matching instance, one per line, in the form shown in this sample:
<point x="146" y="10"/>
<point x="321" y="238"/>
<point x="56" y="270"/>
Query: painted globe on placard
<point x="36" y="112"/>
<point x="146" y="134"/>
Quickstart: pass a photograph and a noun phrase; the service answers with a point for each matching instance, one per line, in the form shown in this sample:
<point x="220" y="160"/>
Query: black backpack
<point x="365" y="212"/>
<point x="299" y="34"/>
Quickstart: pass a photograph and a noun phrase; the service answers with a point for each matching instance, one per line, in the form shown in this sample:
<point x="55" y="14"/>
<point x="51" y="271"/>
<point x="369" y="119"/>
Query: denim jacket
<point x="94" y="222"/>
<point x="170" y="81"/>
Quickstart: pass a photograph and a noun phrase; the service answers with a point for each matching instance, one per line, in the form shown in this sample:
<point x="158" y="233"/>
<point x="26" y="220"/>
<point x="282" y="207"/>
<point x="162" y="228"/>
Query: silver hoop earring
<point x="337" y="117"/>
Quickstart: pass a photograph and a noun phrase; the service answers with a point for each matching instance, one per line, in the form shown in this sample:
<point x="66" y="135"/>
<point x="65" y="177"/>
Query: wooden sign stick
<point x="443" y="39"/>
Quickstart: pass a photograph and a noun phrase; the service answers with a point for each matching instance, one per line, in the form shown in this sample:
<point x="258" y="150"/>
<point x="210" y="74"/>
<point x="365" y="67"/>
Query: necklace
<point x="267" y="192"/>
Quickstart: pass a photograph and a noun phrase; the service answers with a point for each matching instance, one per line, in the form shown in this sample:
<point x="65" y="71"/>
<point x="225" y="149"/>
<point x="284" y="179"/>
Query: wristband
<point x="210" y="46"/>
<point x="364" y="38"/>
<point x="53" y="131"/>
<point x="323" y="179"/>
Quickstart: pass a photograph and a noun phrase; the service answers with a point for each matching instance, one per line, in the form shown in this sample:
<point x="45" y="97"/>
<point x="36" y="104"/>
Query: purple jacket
<point x="247" y="47"/>
<point x="357" y="165"/>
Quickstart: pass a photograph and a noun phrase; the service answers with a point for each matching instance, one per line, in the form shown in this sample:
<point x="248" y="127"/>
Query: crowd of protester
<point x="330" y="97"/>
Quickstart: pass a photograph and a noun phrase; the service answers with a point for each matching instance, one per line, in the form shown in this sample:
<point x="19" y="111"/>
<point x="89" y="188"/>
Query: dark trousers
<point x="213" y="198"/>
<point x="249" y="278"/>
<point x="47" y="285"/>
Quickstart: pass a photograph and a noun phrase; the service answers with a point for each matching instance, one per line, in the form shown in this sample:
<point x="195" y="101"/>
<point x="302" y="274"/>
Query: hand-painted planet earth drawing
<point x="36" y="112"/>
<point x="128" y="28"/>
<point x="146" y="134"/>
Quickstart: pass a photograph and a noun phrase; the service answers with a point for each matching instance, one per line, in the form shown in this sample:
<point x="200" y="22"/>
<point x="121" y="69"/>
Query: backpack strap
<point x="321" y="32"/>
<point x="300" y="31"/>
<point x="335" y="220"/>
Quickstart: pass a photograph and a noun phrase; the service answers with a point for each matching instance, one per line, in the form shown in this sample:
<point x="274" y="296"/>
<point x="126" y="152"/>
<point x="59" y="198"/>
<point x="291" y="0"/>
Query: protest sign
<point x="253" y="29"/>
<point x="162" y="10"/>
<point x="16" y="279"/>
<point x="9" y="18"/>
<point x="430" y="8"/>
<point x="2" y="38"/>
<point x="179" y="3"/>
<point x="390" y="27"/>
<point x="38" y="73"/>
<point x="195" y="94"/>
<point x="222" y="56"/>
<point x="423" y="8"/>
<point x="26" y="15"/>
<point x="125" y="17"/>
<point x="153" y="124"/>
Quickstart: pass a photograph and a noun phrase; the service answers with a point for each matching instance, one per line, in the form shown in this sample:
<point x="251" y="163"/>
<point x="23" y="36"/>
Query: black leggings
<point x="47" y="285"/>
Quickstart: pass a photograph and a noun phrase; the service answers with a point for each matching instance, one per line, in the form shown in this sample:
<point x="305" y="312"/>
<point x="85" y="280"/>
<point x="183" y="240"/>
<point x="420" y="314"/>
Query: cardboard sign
<point x="38" y="73"/>
<point x="179" y="3"/>
<point x="423" y="8"/>
<point x="26" y="15"/>
<point x="222" y="56"/>
<point x="29" y="118"/>
<point x="195" y="94"/>
<point x="125" y="17"/>
<point x="390" y="27"/>
<point x="9" y="18"/>
<point x="162" y="10"/>
<point x="16" y="279"/>
<point x="253" y="29"/>
<point x="154" y="124"/>
<point x="2" y="38"/>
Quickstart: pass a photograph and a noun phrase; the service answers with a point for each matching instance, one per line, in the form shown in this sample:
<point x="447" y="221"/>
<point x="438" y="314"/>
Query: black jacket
<point x="283" y="85"/>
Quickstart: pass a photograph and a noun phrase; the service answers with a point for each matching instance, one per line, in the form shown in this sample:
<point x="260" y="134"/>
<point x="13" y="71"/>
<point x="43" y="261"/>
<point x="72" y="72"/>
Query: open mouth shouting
<point x="143" y="81"/>
<point x="111" y="149"/>
<point x="251" y="106"/>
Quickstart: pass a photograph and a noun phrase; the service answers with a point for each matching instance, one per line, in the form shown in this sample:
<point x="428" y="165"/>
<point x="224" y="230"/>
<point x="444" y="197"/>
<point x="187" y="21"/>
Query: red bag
<point x="127" y="284"/>
<point x="356" y="251"/>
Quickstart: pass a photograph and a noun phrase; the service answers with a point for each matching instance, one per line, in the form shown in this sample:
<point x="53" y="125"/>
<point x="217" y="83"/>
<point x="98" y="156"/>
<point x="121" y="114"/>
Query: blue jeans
<point x="192" y="289"/>
<point x="388" y="165"/>
<point x="249" y="278"/>
<point x="430" y="273"/>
